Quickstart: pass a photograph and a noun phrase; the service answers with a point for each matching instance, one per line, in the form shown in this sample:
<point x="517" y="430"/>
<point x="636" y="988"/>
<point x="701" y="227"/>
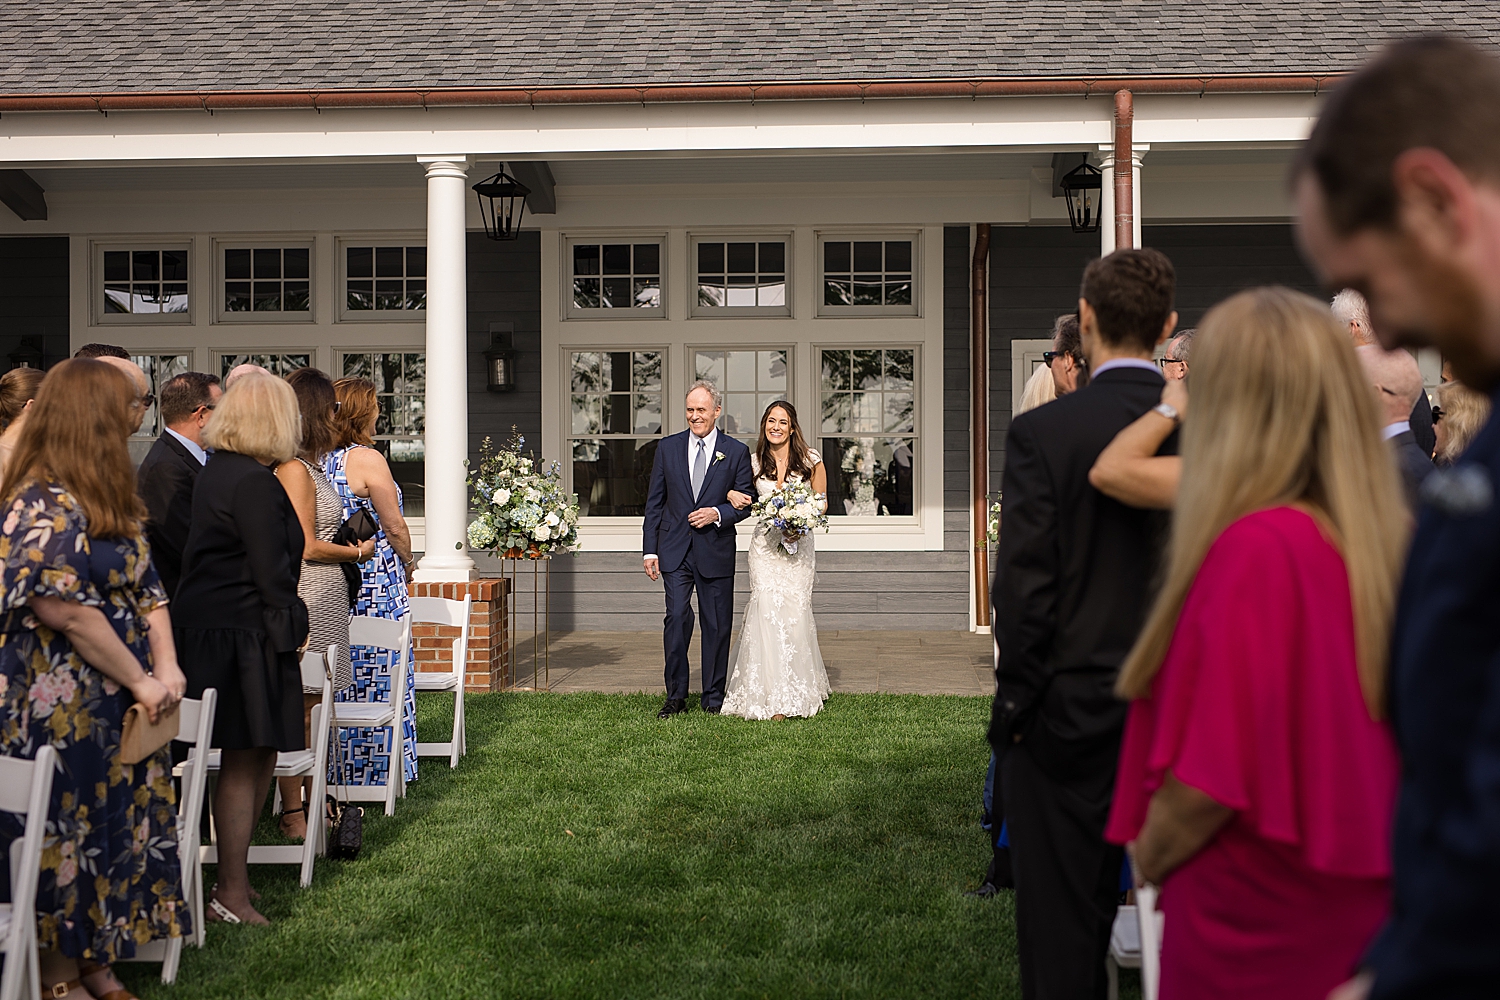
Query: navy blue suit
<point x="700" y="559"/>
<point x="1443" y="938"/>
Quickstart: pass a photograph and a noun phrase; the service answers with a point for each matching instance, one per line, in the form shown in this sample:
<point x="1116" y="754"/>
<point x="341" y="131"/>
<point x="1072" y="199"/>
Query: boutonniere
<point x="718" y="457"/>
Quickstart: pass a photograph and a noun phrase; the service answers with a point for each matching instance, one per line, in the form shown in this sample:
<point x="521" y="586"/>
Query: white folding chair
<point x="441" y="611"/>
<point x="25" y="788"/>
<point x="195" y="726"/>
<point x="309" y="763"/>
<point x="1135" y="943"/>
<point x="393" y="635"/>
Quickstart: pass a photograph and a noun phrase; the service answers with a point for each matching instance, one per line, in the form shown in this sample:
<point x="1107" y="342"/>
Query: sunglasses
<point x="1437" y="414"/>
<point x="146" y="402"/>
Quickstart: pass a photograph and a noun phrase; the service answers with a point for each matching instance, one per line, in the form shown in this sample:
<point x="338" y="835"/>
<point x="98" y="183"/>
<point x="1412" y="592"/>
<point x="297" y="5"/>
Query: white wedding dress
<point x="777" y="668"/>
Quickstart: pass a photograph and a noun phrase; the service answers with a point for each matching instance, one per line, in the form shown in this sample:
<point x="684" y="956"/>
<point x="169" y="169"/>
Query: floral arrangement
<point x="794" y="510"/>
<point x="993" y="532"/>
<point x="522" y="512"/>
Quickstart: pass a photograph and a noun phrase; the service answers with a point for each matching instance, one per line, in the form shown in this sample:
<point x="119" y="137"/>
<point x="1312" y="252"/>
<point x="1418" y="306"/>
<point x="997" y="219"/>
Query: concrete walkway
<point x="892" y="662"/>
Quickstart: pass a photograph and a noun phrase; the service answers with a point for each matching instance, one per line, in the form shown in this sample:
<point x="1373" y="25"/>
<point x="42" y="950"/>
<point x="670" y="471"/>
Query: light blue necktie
<point x="700" y="466"/>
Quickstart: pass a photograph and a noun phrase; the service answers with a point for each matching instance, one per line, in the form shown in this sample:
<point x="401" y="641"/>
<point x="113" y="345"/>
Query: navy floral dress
<point x="111" y="877"/>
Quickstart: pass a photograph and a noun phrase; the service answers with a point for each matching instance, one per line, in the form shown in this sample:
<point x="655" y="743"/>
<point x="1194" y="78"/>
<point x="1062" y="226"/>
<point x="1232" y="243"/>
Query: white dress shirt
<point x="1150" y="366"/>
<point x="1391" y="430"/>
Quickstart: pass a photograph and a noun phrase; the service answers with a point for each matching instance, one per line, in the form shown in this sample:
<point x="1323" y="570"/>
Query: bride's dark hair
<point x="798" y="459"/>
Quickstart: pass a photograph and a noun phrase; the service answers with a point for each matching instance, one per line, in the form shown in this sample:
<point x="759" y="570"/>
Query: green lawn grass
<point x="585" y="849"/>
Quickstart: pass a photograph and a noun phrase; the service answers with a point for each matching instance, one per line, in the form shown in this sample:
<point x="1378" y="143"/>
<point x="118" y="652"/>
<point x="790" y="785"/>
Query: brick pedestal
<point x="489" y="667"/>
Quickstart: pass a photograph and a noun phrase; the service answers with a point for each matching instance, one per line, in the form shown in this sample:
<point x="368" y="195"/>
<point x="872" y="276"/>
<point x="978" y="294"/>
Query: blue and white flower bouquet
<point x="794" y="510"/>
<point x="522" y="513"/>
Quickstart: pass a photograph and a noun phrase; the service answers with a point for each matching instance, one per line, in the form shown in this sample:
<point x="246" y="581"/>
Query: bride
<point x="778" y="669"/>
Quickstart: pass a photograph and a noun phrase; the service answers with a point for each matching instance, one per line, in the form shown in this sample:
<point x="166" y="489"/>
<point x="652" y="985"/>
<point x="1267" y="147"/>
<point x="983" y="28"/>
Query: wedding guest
<point x="167" y="474"/>
<point x="1039" y="389"/>
<point x="321" y="585"/>
<point x="239" y="621"/>
<point x="101" y="351"/>
<point x="1349" y="307"/>
<point x="1398" y="387"/>
<point x="1256" y="781"/>
<point x="1396" y="191"/>
<point x="17" y="389"/>
<point x="86" y="634"/>
<point x="143" y="396"/>
<point x="1174" y="363"/>
<point x="1070" y="370"/>
<point x="1458" y="416"/>
<point x="363" y="480"/>
<point x="1072" y="587"/>
<point x="240" y="371"/>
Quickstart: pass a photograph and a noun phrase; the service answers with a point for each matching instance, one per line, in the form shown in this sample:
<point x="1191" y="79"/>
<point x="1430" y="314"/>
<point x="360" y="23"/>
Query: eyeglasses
<point x="206" y="406"/>
<point x="145" y="402"/>
<point x="1050" y="356"/>
<point x="1437" y="414"/>
<point x="1173" y="361"/>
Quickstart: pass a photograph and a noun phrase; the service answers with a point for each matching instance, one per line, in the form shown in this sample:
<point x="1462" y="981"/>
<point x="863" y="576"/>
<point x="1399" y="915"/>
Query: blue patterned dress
<point x="111" y="878"/>
<point x="382" y="595"/>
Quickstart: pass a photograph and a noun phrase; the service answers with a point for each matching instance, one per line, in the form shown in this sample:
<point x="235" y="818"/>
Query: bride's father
<point x="689" y="542"/>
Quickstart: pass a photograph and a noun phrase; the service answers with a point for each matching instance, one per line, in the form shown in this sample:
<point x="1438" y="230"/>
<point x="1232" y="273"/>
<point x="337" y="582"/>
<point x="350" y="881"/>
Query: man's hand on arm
<point x="703" y="517"/>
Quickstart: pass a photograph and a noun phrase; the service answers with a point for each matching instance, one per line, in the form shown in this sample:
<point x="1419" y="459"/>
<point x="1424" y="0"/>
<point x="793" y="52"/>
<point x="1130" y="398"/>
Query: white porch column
<point x="1107" y="201"/>
<point x="1138" y="153"/>
<point x="446" y="439"/>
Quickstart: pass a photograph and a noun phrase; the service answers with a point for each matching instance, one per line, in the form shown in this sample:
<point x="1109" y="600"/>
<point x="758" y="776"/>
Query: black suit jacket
<point x="1074" y="578"/>
<point x="1413" y="464"/>
<point x="165" y="482"/>
<point x="1422" y="430"/>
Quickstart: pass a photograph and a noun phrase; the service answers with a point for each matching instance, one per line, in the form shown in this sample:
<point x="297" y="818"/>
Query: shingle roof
<point x="155" y="46"/>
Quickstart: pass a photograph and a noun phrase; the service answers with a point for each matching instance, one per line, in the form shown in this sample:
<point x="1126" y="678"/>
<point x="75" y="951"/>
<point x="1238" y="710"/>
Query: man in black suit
<point x="1350" y="307"/>
<point x="688" y="541"/>
<point x="1398" y="193"/>
<point x="1071" y="591"/>
<point x="1398" y="386"/>
<point x="166" y="477"/>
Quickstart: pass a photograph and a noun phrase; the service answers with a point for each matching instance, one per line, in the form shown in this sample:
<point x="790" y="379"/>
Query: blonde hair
<point x="1282" y="414"/>
<point x="1039" y="389"/>
<point x="258" y="417"/>
<point x="1464" y="413"/>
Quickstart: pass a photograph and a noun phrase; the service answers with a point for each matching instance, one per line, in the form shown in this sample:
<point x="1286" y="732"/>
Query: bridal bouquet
<point x="522" y="512"/>
<point x="794" y="510"/>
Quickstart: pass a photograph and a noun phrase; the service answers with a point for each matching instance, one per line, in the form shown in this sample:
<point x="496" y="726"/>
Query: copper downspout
<point x="219" y="100"/>
<point x="979" y="422"/>
<point x="1124" y="169"/>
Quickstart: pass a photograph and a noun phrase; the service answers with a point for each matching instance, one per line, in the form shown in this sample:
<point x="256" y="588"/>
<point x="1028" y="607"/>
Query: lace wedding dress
<point x="777" y="668"/>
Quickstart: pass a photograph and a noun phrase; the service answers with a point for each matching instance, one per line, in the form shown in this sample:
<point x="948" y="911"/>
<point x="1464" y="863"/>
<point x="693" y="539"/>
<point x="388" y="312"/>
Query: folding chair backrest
<point x="18" y="781"/>
<point x="313" y="664"/>
<point x="25" y="787"/>
<point x="195" y="720"/>
<point x="440" y="611"/>
<point x="382" y="633"/>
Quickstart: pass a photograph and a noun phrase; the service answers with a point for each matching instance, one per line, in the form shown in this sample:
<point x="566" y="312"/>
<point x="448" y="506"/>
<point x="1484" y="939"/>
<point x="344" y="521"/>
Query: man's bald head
<point x="240" y="371"/>
<point x="1396" y="378"/>
<point x="138" y="379"/>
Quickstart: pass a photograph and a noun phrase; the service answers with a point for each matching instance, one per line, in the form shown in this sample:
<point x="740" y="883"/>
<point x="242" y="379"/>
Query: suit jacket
<point x="666" y="531"/>
<point x="1413" y="464"/>
<point x="1422" y="430"/>
<point x="1445" y="710"/>
<point x="165" y="482"/>
<point x="1074" y="578"/>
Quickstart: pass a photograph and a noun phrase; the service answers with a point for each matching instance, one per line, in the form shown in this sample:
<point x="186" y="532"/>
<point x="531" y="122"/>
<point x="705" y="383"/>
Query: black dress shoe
<point x="712" y="711"/>
<point x="674" y="706"/>
<point x="986" y="890"/>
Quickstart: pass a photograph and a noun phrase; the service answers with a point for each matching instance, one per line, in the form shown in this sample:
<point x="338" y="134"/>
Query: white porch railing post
<point x="446" y="437"/>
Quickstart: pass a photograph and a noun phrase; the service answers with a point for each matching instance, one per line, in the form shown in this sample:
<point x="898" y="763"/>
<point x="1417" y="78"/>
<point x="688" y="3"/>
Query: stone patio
<point x="890" y="662"/>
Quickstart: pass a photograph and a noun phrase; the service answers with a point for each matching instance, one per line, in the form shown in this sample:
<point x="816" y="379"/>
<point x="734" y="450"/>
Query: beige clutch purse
<point x="140" y="739"/>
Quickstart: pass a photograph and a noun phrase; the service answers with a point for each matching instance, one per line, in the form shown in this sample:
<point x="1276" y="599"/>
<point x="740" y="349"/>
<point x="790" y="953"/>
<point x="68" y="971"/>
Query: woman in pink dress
<point x="1257" y="781"/>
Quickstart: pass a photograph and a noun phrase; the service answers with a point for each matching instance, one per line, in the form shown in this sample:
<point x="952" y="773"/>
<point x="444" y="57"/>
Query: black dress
<point x="237" y="616"/>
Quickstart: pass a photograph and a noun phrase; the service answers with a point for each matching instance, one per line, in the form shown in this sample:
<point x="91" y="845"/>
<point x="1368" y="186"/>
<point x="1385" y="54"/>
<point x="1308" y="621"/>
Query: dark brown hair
<point x="1434" y="92"/>
<point x="82" y="446"/>
<point x="101" y="351"/>
<point x="315" y="400"/>
<point x="358" y="407"/>
<point x="1131" y="294"/>
<point x="17" y="388"/>
<point x="181" y="395"/>
<point x="798" y="459"/>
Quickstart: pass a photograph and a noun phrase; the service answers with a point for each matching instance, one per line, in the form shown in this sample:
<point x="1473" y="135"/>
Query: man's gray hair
<point x="708" y="386"/>
<point x="1350" y="308"/>
<point x="1181" y="345"/>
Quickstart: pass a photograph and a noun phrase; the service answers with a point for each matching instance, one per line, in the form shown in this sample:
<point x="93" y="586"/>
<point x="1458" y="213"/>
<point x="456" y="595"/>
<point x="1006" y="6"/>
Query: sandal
<point x="120" y="993"/>
<point x="59" y="990"/>
<point x="221" y="914"/>
<point x="281" y="822"/>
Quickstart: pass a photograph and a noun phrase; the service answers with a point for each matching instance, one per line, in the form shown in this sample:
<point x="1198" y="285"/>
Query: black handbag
<point x="359" y="527"/>
<point x="346" y="821"/>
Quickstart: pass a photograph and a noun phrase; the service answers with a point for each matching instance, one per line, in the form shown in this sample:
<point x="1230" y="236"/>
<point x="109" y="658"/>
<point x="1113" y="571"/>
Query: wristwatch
<point x="1169" y="411"/>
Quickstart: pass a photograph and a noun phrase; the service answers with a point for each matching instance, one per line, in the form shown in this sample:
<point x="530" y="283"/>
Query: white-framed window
<point x="142" y="283"/>
<point x="260" y="281"/>
<point x="614" y="277"/>
<point x="614" y="426"/>
<point x="868" y="275"/>
<point x="382" y="279"/>
<point x="277" y="362"/>
<point x="400" y="378"/>
<point x="750" y="378"/>
<point x="868" y="429"/>
<point x="745" y="276"/>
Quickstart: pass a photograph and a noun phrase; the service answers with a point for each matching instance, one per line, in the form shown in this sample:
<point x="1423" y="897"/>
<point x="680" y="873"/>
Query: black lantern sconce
<point x="502" y="202"/>
<point x="1083" y="187"/>
<point x="28" y="354"/>
<point x="500" y="359"/>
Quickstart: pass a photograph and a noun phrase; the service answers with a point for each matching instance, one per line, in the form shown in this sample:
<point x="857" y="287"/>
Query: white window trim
<point x="341" y="312"/>
<point x="97" y="315"/>
<point x="918" y="273"/>
<point x="573" y="313"/>
<point x="263" y="242"/>
<point x="919" y="485"/>
<point x="698" y="311"/>
<point x="690" y="350"/>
